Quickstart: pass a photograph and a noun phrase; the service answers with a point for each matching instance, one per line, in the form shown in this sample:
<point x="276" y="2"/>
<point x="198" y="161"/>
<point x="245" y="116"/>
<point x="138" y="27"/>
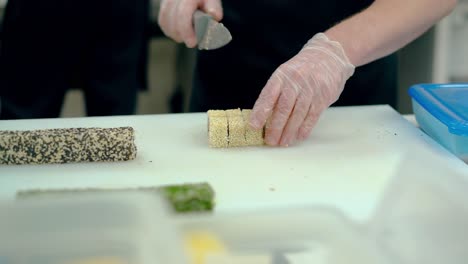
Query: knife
<point x="210" y="33"/>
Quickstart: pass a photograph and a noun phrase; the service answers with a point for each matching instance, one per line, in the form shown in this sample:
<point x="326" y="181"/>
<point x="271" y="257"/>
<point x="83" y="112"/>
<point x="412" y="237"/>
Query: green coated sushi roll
<point x="193" y="197"/>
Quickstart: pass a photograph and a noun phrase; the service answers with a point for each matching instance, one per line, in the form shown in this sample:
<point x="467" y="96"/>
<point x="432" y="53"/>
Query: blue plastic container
<point x="442" y="112"/>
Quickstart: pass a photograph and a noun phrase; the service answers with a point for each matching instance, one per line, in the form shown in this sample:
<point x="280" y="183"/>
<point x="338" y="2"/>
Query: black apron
<point x="270" y="32"/>
<point x="49" y="45"/>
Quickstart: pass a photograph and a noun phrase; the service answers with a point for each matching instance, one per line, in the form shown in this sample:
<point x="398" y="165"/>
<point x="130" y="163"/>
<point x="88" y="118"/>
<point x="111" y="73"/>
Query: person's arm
<point x="303" y="87"/>
<point x="386" y="26"/>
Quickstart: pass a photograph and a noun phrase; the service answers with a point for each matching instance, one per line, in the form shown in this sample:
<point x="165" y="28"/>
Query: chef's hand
<point x="300" y="90"/>
<point x="176" y="18"/>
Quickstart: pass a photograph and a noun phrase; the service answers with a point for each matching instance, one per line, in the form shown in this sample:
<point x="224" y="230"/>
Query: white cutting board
<point x="345" y="164"/>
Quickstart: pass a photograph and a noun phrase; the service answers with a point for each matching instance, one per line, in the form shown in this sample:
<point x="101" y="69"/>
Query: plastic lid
<point x="446" y="102"/>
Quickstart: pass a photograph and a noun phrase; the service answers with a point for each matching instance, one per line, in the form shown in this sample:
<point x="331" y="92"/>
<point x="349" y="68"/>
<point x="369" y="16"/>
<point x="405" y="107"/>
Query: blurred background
<point x="440" y="55"/>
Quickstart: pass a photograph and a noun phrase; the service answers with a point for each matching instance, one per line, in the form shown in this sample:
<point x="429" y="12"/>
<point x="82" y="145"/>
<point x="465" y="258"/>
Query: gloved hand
<point x="176" y="18"/>
<point x="300" y="90"/>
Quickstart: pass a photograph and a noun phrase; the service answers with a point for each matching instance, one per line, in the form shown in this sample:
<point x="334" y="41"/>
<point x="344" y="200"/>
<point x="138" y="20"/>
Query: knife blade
<point x="210" y="33"/>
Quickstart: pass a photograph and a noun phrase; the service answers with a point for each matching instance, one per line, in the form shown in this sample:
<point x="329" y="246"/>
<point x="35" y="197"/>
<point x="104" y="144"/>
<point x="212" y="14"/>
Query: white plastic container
<point x="423" y="216"/>
<point x="137" y="229"/>
<point x="292" y="235"/>
<point x="99" y="228"/>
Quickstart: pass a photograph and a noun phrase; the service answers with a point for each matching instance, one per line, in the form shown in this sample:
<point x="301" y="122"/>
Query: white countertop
<point x="345" y="164"/>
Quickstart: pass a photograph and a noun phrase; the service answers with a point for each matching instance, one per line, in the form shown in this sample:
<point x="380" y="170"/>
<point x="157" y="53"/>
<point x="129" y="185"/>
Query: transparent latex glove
<point x="300" y="90"/>
<point x="176" y="18"/>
